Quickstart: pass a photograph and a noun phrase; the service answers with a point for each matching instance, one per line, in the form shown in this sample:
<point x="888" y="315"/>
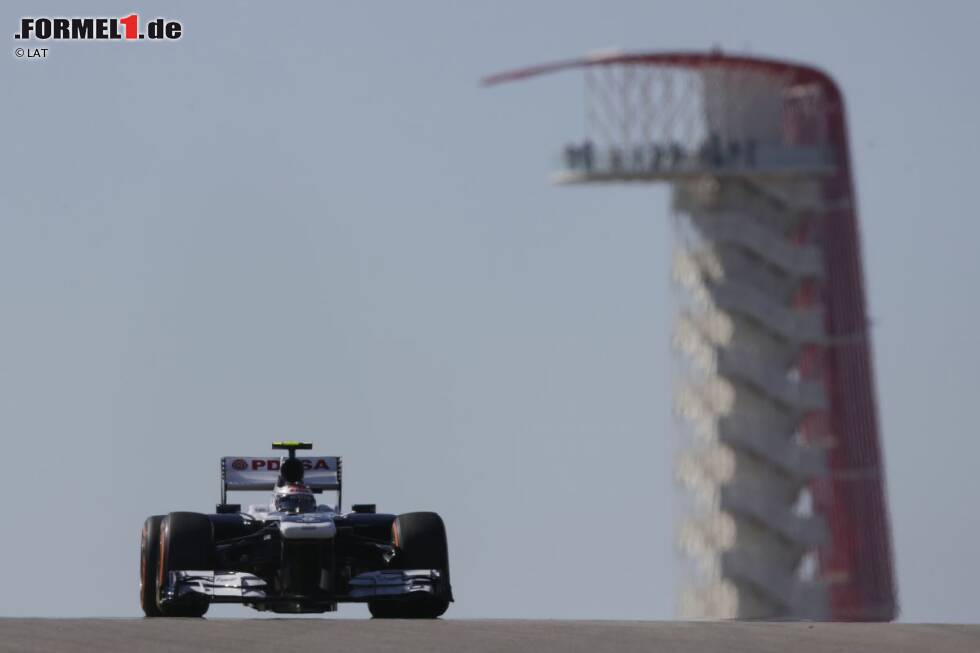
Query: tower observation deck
<point x="787" y="514"/>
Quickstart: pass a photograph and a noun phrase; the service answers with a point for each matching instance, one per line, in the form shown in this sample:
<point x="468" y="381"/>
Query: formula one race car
<point x="293" y="555"/>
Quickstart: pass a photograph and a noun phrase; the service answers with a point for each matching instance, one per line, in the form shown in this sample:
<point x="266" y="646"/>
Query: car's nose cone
<point x="307" y="526"/>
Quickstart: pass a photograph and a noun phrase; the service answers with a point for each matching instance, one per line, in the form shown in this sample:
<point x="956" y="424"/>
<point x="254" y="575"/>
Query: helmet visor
<point x="295" y="503"/>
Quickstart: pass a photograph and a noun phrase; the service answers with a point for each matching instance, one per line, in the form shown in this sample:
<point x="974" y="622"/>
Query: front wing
<point x="241" y="587"/>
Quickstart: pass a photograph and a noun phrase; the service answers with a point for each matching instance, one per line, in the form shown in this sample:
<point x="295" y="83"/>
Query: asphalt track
<point x="477" y="636"/>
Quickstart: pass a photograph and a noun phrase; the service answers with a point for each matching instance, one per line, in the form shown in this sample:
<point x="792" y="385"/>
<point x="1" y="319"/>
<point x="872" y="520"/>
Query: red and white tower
<point x="788" y="515"/>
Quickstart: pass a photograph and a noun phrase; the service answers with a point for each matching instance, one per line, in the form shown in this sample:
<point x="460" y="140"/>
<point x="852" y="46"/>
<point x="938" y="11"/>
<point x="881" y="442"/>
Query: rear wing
<point x="240" y="473"/>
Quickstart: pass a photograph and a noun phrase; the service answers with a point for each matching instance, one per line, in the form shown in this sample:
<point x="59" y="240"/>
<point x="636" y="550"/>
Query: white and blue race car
<point x="293" y="555"/>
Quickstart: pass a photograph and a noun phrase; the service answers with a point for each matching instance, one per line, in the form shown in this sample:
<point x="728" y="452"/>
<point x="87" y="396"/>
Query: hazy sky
<point x="308" y="220"/>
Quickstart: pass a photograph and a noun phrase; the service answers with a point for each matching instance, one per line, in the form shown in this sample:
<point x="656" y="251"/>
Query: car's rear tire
<point x="420" y="541"/>
<point x="186" y="542"/>
<point x="149" y="559"/>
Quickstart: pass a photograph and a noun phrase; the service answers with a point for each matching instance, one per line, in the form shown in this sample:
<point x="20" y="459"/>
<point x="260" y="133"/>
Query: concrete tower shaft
<point x="788" y="517"/>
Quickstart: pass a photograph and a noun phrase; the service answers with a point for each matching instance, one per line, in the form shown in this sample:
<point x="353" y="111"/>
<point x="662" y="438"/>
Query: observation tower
<point x="786" y="514"/>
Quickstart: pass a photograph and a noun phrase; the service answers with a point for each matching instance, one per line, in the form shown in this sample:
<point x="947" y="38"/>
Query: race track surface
<point x="477" y="636"/>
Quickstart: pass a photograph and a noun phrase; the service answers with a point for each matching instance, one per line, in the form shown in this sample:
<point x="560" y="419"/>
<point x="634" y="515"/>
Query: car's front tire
<point x="420" y="541"/>
<point x="149" y="559"/>
<point x="186" y="542"/>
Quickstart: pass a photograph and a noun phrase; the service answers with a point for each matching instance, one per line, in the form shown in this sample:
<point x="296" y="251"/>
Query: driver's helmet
<point x="294" y="498"/>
